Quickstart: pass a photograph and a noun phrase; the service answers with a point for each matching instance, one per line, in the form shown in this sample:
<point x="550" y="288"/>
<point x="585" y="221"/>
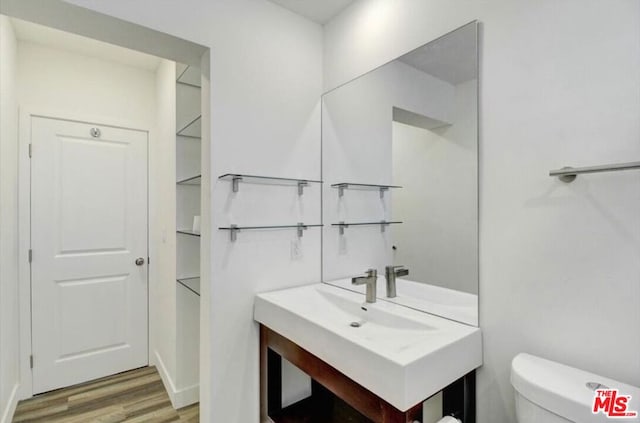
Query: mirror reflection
<point x="400" y="164"/>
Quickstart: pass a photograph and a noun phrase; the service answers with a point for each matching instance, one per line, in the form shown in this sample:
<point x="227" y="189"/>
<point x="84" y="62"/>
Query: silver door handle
<point x="139" y="261"/>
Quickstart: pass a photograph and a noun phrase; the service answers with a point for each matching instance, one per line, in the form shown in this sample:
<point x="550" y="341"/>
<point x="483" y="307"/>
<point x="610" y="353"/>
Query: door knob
<point x="139" y="261"/>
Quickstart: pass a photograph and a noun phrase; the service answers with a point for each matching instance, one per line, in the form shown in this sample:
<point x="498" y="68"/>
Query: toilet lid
<point x="565" y="390"/>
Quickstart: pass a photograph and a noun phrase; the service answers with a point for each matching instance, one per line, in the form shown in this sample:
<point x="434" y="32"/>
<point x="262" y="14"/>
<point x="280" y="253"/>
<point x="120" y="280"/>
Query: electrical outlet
<point x="296" y="250"/>
<point x="342" y="245"/>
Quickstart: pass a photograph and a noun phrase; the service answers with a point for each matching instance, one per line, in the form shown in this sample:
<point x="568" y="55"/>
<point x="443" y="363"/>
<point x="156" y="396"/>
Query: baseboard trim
<point x="169" y="386"/>
<point x="187" y="396"/>
<point x="11" y="405"/>
<point x="179" y="397"/>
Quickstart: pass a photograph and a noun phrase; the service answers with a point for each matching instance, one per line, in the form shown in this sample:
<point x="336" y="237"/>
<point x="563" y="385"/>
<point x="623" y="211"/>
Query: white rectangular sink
<point x="455" y="305"/>
<point x="402" y="355"/>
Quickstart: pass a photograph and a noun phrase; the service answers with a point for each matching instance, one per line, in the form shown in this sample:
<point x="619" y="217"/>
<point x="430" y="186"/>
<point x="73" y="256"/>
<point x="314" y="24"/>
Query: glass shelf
<point x="192" y="129"/>
<point x="192" y="284"/>
<point x="190" y="75"/>
<point x="348" y="185"/>
<point x="237" y="178"/>
<point x="194" y="180"/>
<point x="188" y="232"/>
<point x="234" y="229"/>
<point x="383" y="224"/>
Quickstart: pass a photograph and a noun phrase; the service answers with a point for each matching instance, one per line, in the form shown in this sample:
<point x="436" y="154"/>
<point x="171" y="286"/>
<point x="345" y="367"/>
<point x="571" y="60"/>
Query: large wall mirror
<point x="400" y="165"/>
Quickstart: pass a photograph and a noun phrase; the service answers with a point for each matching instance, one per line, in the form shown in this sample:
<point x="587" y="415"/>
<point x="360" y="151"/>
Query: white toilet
<point x="549" y="392"/>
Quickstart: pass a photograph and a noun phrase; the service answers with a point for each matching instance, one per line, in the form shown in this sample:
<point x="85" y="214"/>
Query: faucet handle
<point x="372" y="273"/>
<point x="392" y="268"/>
<point x="397" y="270"/>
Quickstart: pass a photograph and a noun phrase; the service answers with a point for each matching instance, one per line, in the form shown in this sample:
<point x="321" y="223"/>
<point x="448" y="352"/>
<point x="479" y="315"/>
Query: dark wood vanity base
<point x="354" y="403"/>
<point x="321" y="407"/>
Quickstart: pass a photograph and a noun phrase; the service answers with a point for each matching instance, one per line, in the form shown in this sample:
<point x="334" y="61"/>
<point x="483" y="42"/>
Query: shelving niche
<point x="188" y="205"/>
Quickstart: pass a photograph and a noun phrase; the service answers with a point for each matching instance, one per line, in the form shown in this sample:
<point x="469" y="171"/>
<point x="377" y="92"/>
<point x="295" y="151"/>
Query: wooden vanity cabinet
<point x="336" y="397"/>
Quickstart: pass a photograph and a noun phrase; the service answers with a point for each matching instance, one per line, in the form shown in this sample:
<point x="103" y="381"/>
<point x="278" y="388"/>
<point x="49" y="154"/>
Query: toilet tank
<point x="544" y="386"/>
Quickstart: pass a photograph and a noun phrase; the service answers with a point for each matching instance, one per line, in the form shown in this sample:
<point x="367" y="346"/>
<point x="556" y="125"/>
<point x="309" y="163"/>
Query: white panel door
<point x="88" y="227"/>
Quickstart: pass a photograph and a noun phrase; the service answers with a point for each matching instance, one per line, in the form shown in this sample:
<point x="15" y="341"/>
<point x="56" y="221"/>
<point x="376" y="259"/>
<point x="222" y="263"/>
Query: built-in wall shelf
<point x="192" y="129"/>
<point x="186" y="138"/>
<point x="236" y="178"/>
<point x="194" y="180"/>
<point x="188" y="173"/>
<point x="189" y="76"/>
<point x="341" y="186"/>
<point x="192" y="284"/>
<point x="383" y="224"/>
<point x="188" y="232"/>
<point x="234" y="229"/>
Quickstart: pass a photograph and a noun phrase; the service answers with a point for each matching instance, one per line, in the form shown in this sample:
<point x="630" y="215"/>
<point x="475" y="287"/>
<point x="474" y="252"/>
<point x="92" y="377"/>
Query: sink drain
<point x="355" y="324"/>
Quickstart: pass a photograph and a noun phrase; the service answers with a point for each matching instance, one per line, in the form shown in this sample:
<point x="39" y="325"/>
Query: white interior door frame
<point x="26" y="113"/>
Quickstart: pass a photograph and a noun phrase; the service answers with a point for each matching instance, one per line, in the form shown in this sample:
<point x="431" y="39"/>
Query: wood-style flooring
<point x="133" y="396"/>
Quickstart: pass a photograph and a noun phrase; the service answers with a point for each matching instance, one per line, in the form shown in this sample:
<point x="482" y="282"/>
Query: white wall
<point x="560" y="84"/>
<point x="438" y="203"/>
<point x="162" y="237"/>
<point x="266" y="80"/>
<point x="206" y="365"/>
<point x="63" y="81"/>
<point x="266" y="87"/>
<point x="9" y="321"/>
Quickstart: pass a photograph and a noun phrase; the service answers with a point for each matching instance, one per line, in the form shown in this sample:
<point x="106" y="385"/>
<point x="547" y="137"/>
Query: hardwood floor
<point x="134" y="396"/>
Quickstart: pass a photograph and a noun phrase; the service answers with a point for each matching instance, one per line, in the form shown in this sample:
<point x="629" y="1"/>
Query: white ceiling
<point x="28" y="31"/>
<point x="320" y="11"/>
<point x="451" y="58"/>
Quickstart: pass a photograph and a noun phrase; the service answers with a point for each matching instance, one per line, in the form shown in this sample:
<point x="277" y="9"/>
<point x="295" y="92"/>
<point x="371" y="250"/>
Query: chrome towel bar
<point x="568" y="174"/>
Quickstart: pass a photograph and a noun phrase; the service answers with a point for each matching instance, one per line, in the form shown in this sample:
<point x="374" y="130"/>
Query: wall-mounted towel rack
<point x="234" y="229"/>
<point x="568" y="174"/>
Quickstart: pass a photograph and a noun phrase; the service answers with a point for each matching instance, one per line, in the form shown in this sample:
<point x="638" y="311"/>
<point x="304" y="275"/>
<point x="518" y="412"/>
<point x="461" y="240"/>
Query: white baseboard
<point x="187" y="396"/>
<point x="11" y="405"/>
<point x="179" y="397"/>
<point x="166" y="379"/>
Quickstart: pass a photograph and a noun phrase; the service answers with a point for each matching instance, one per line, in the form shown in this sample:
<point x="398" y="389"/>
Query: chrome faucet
<point x="370" y="281"/>
<point x="391" y="273"/>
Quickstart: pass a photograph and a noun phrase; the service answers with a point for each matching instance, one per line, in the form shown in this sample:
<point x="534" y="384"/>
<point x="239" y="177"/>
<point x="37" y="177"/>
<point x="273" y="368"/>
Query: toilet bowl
<point x="549" y="392"/>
